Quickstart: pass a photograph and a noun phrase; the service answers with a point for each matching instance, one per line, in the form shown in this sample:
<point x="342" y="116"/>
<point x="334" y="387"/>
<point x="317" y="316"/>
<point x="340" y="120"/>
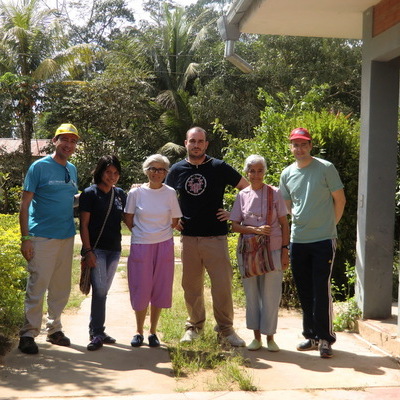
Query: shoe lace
<point x="96" y="340"/>
<point x="325" y="345"/>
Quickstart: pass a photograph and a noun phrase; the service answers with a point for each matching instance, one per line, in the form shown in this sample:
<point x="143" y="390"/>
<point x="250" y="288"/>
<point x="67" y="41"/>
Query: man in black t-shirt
<point x="200" y="181"/>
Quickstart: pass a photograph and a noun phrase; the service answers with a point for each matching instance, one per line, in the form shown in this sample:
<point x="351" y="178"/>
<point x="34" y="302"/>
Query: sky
<point x="136" y="6"/>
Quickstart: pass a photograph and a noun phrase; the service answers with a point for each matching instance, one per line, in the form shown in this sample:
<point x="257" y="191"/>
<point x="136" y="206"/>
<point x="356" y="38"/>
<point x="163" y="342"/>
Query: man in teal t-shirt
<point x="315" y="198"/>
<point x="47" y="238"/>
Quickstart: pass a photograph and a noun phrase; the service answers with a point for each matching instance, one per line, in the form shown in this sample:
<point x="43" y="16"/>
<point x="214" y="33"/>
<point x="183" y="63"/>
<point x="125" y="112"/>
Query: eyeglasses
<point x="155" y="170"/>
<point x="67" y="175"/>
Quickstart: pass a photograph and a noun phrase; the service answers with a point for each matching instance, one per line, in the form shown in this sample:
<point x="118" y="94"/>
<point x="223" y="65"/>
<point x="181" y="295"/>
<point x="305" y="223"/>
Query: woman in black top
<point x="103" y="256"/>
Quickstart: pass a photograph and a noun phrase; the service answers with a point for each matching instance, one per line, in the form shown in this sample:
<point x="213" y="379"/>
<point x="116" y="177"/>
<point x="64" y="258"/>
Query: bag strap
<point x="270" y="205"/>
<point x="106" y="217"/>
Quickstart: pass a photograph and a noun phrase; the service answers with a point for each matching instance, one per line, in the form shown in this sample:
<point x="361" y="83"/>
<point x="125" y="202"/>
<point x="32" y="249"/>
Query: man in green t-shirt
<point x="315" y="198"/>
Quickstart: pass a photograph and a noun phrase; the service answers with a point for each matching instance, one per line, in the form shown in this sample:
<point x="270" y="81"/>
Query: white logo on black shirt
<point x="195" y="185"/>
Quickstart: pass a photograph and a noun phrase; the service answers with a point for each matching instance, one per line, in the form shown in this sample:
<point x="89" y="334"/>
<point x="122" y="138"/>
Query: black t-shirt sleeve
<point x="232" y="176"/>
<point x="86" y="200"/>
<point x="170" y="179"/>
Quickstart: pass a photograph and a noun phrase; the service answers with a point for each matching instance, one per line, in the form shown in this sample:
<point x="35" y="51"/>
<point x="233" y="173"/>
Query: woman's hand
<point x="263" y="230"/>
<point x="285" y="259"/>
<point x="179" y="225"/>
<point x="90" y="259"/>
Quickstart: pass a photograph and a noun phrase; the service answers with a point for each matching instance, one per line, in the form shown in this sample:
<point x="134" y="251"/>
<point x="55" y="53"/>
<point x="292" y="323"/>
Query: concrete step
<point x="382" y="333"/>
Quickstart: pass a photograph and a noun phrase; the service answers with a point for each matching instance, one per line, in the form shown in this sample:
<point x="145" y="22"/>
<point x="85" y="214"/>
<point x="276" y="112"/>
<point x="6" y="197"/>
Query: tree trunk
<point x="26" y="136"/>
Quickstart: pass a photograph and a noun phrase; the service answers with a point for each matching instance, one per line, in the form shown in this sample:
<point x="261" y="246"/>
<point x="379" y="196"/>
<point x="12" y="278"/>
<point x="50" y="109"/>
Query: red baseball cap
<point x="300" y="133"/>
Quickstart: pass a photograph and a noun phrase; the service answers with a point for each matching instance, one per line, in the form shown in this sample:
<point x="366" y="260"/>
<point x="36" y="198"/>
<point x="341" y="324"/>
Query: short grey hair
<point x="158" y="158"/>
<point x="254" y="159"/>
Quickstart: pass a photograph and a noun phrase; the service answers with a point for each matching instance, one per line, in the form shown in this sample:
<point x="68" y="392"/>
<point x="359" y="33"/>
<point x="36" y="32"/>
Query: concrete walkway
<point x="358" y="371"/>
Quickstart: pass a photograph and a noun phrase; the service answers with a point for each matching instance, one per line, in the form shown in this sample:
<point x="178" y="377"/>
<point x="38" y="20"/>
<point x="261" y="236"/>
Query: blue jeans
<point x="312" y="269"/>
<point x="101" y="278"/>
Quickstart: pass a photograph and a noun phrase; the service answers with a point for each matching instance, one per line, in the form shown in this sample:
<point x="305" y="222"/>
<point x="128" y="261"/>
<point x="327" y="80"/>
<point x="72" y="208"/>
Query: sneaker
<point x="153" y="340"/>
<point x="272" y="346"/>
<point x="189" y="336"/>
<point x="306" y="345"/>
<point x="137" y="340"/>
<point x="234" y="340"/>
<point x="106" y="339"/>
<point x="27" y="345"/>
<point x="325" y="349"/>
<point x="95" y="344"/>
<point x="59" y="339"/>
<point x="254" y="345"/>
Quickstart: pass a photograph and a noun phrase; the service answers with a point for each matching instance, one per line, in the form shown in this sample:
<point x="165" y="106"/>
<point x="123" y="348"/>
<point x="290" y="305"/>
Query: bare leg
<point x="140" y="318"/>
<point x="154" y="317"/>
<point x="257" y="335"/>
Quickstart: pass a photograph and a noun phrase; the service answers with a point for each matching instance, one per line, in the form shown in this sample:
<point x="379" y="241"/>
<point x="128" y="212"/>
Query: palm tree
<point x="33" y="50"/>
<point x="171" y="52"/>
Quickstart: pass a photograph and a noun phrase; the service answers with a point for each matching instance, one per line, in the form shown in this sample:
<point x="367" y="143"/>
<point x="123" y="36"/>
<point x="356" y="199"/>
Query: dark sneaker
<point x="325" y="349"/>
<point x="153" y="340"/>
<point x="137" y="340"/>
<point x="95" y="344"/>
<point x="309" y="344"/>
<point x="27" y="345"/>
<point x="106" y="339"/>
<point x="59" y="339"/>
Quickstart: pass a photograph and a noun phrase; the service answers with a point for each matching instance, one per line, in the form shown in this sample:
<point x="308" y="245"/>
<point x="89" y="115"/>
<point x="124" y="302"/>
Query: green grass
<point x="206" y="353"/>
<point x="124" y="230"/>
<point x="76" y="297"/>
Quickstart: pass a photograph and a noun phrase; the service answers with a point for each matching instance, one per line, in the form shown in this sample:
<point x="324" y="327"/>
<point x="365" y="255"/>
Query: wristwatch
<point x="285" y="247"/>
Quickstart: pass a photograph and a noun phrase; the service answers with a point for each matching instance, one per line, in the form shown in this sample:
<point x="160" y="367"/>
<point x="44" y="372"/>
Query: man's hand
<point x="223" y="215"/>
<point x="27" y="250"/>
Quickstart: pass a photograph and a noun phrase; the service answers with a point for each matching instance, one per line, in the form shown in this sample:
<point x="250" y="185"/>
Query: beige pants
<point x="200" y="254"/>
<point x="49" y="270"/>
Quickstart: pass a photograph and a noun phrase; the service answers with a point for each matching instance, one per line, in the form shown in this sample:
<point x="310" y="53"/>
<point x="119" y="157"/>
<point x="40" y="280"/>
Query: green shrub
<point x="238" y="295"/>
<point x="335" y="138"/>
<point x="347" y="315"/>
<point x="12" y="276"/>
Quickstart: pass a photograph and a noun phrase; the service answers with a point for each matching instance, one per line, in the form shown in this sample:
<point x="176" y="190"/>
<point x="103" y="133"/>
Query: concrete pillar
<point x="377" y="178"/>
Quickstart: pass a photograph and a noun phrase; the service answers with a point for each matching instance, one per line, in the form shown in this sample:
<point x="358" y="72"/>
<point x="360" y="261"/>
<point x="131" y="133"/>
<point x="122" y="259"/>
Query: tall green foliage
<point x="113" y="114"/>
<point x="33" y="50"/>
<point x="170" y="49"/>
<point x="335" y="138"/>
<point x="12" y="276"/>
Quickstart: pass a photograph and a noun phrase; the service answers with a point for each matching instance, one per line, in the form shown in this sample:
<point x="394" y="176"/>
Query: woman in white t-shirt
<point x="152" y="211"/>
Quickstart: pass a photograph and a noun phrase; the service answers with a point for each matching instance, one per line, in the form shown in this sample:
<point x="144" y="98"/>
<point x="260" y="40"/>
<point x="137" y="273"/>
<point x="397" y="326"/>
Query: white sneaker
<point x="189" y="336"/>
<point x="234" y="340"/>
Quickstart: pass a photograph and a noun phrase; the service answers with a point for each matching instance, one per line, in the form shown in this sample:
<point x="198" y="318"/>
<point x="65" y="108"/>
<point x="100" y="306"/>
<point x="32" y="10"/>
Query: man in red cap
<point x="315" y="198"/>
<point x="47" y="238"/>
